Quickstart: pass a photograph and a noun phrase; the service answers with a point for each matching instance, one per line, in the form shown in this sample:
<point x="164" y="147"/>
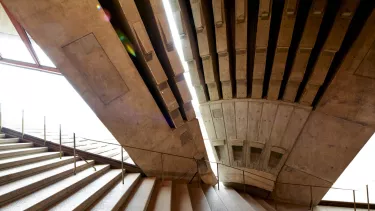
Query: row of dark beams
<point x="277" y="50"/>
<point x="143" y="27"/>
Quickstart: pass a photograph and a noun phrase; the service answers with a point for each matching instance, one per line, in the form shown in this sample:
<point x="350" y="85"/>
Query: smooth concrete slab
<point x="89" y="194"/>
<point x="14" y="190"/>
<point x="181" y="198"/>
<point x="20" y="152"/>
<point x="4" y="140"/>
<point x="161" y="197"/>
<point x="116" y="197"/>
<point x="10" y="146"/>
<point x="51" y="194"/>
<point x="11" y="174"/>
<point x="198" y="199"/>
<point x="21" y="160"/>
<point x="140" y="198"/>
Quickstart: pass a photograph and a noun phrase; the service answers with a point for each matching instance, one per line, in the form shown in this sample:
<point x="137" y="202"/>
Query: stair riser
<point x="54" y="199"/>
<point x="17" y="146"/>
<point x="23" y="174"/>
<point x="14" y="195"/>
<point x="126" y="196"/>
<point x="2" y="135"/>
<point x="15" y="154"/>
<point x="27" y="161"/>
<point x="94" y="197"/>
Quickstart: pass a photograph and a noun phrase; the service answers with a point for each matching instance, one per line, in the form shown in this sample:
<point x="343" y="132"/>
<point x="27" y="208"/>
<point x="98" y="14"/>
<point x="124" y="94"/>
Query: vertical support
<point x="60" y="139"/>
<point x="1" y="125"/>
<point x="45" y="131"/>
<point x="162" y="168"/>
<point x="354" y="200"/>
<point x="243" y="179"/>
<point x="122" y="165"/>
<point x="199" y="176"/>
<point x="368" y="199"/>
<point x="23" y="123"/>
<point x="311" y="199"/>
<point x="218" y="178"/>
<point x="74" y="152"/>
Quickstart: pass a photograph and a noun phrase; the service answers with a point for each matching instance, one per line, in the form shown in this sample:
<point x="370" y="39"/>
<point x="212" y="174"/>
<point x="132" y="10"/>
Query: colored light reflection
<point x="126" y="42"/>
<point x="98" y="7"/>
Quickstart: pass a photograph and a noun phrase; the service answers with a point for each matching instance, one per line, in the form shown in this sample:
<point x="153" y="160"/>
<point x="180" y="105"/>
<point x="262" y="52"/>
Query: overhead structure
<point x="285" y="87"/>
<point x="276" y="60"/>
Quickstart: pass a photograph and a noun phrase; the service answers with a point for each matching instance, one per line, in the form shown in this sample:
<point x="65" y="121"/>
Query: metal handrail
<point x="196" y="160"/>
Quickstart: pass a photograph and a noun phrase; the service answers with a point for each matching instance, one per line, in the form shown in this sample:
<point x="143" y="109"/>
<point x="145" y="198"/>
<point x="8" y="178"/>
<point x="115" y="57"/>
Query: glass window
<point x="357" y="175"/>
<point x="43" y="58"/>
<point x="11" y="45"/>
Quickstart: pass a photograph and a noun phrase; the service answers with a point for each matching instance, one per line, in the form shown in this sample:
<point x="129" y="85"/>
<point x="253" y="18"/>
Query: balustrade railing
<point x="163" y="154"/>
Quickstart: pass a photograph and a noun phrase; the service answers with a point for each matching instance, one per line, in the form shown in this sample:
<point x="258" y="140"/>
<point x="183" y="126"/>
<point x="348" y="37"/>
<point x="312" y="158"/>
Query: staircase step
<point x="52" y="194"/>
<point x="161" y="198"/>
<point x="9" y="140"/>
<point x="232" y="200"/>
<point x="265" y="204"/>
<point x="11" y="146"/>
<point x="86" y="196"/>
<point x="117" y="196"/>
<point x="254" y="203"/>
<point x="12" y="174"/>
<point x="21" y="160"/>
<point x="2" y="135"/>
<point x="181" y="198"/>
<point x="140" y="198"/>
<point x="19" y="188"/>
<point x="20" y="152"/>
<point x="213" y="199"/>
<point x="198" y="199"/>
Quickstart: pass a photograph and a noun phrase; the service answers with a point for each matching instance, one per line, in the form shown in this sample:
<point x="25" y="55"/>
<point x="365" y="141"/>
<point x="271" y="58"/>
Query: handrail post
<point x="1" y="125"/>
<point x="368" y="199"/>
<point x="122" y="165"/>
<point x="218" y="179"/>
<point x="243" y="178"/>
<point x="45" y="131"/>
<point x="162" y="168"/>
<point x="199" y="176"/>
<point x="60" y="139"/>
<point x="74" y="152"/>
<point x="23" y="122"/>
<point x="311" y="199"/>
<point x="354" y="200"/>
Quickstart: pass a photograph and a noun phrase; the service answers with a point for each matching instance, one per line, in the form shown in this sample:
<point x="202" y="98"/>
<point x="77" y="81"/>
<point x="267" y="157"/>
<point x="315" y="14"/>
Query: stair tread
<point x="139" y="199"/>
<point x="232" y="200"/>
<point x="57" y="190"/>
<point x="254" y="203"/>
<point x="12" y="189"/>
<point x="9" y="140"/>
<point x="161" y="199"/>
<point x="198" y="199"/>
<point x="85" y="194"/>
<point x="181" y="198"/>
<point x="15" y="152"/>
<point x="27" y="157"/>
<point x="264" y="204"/>
<point x="213" y="199"/>
<point x="2" y="135"/>
<point x="7" y="173"/>
<point x="116" y="197"/>
<point x="9" y="146"/>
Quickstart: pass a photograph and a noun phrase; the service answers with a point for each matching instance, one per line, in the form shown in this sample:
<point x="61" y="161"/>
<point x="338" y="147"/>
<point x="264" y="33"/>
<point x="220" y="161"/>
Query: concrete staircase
<point x="31" y="178"/>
